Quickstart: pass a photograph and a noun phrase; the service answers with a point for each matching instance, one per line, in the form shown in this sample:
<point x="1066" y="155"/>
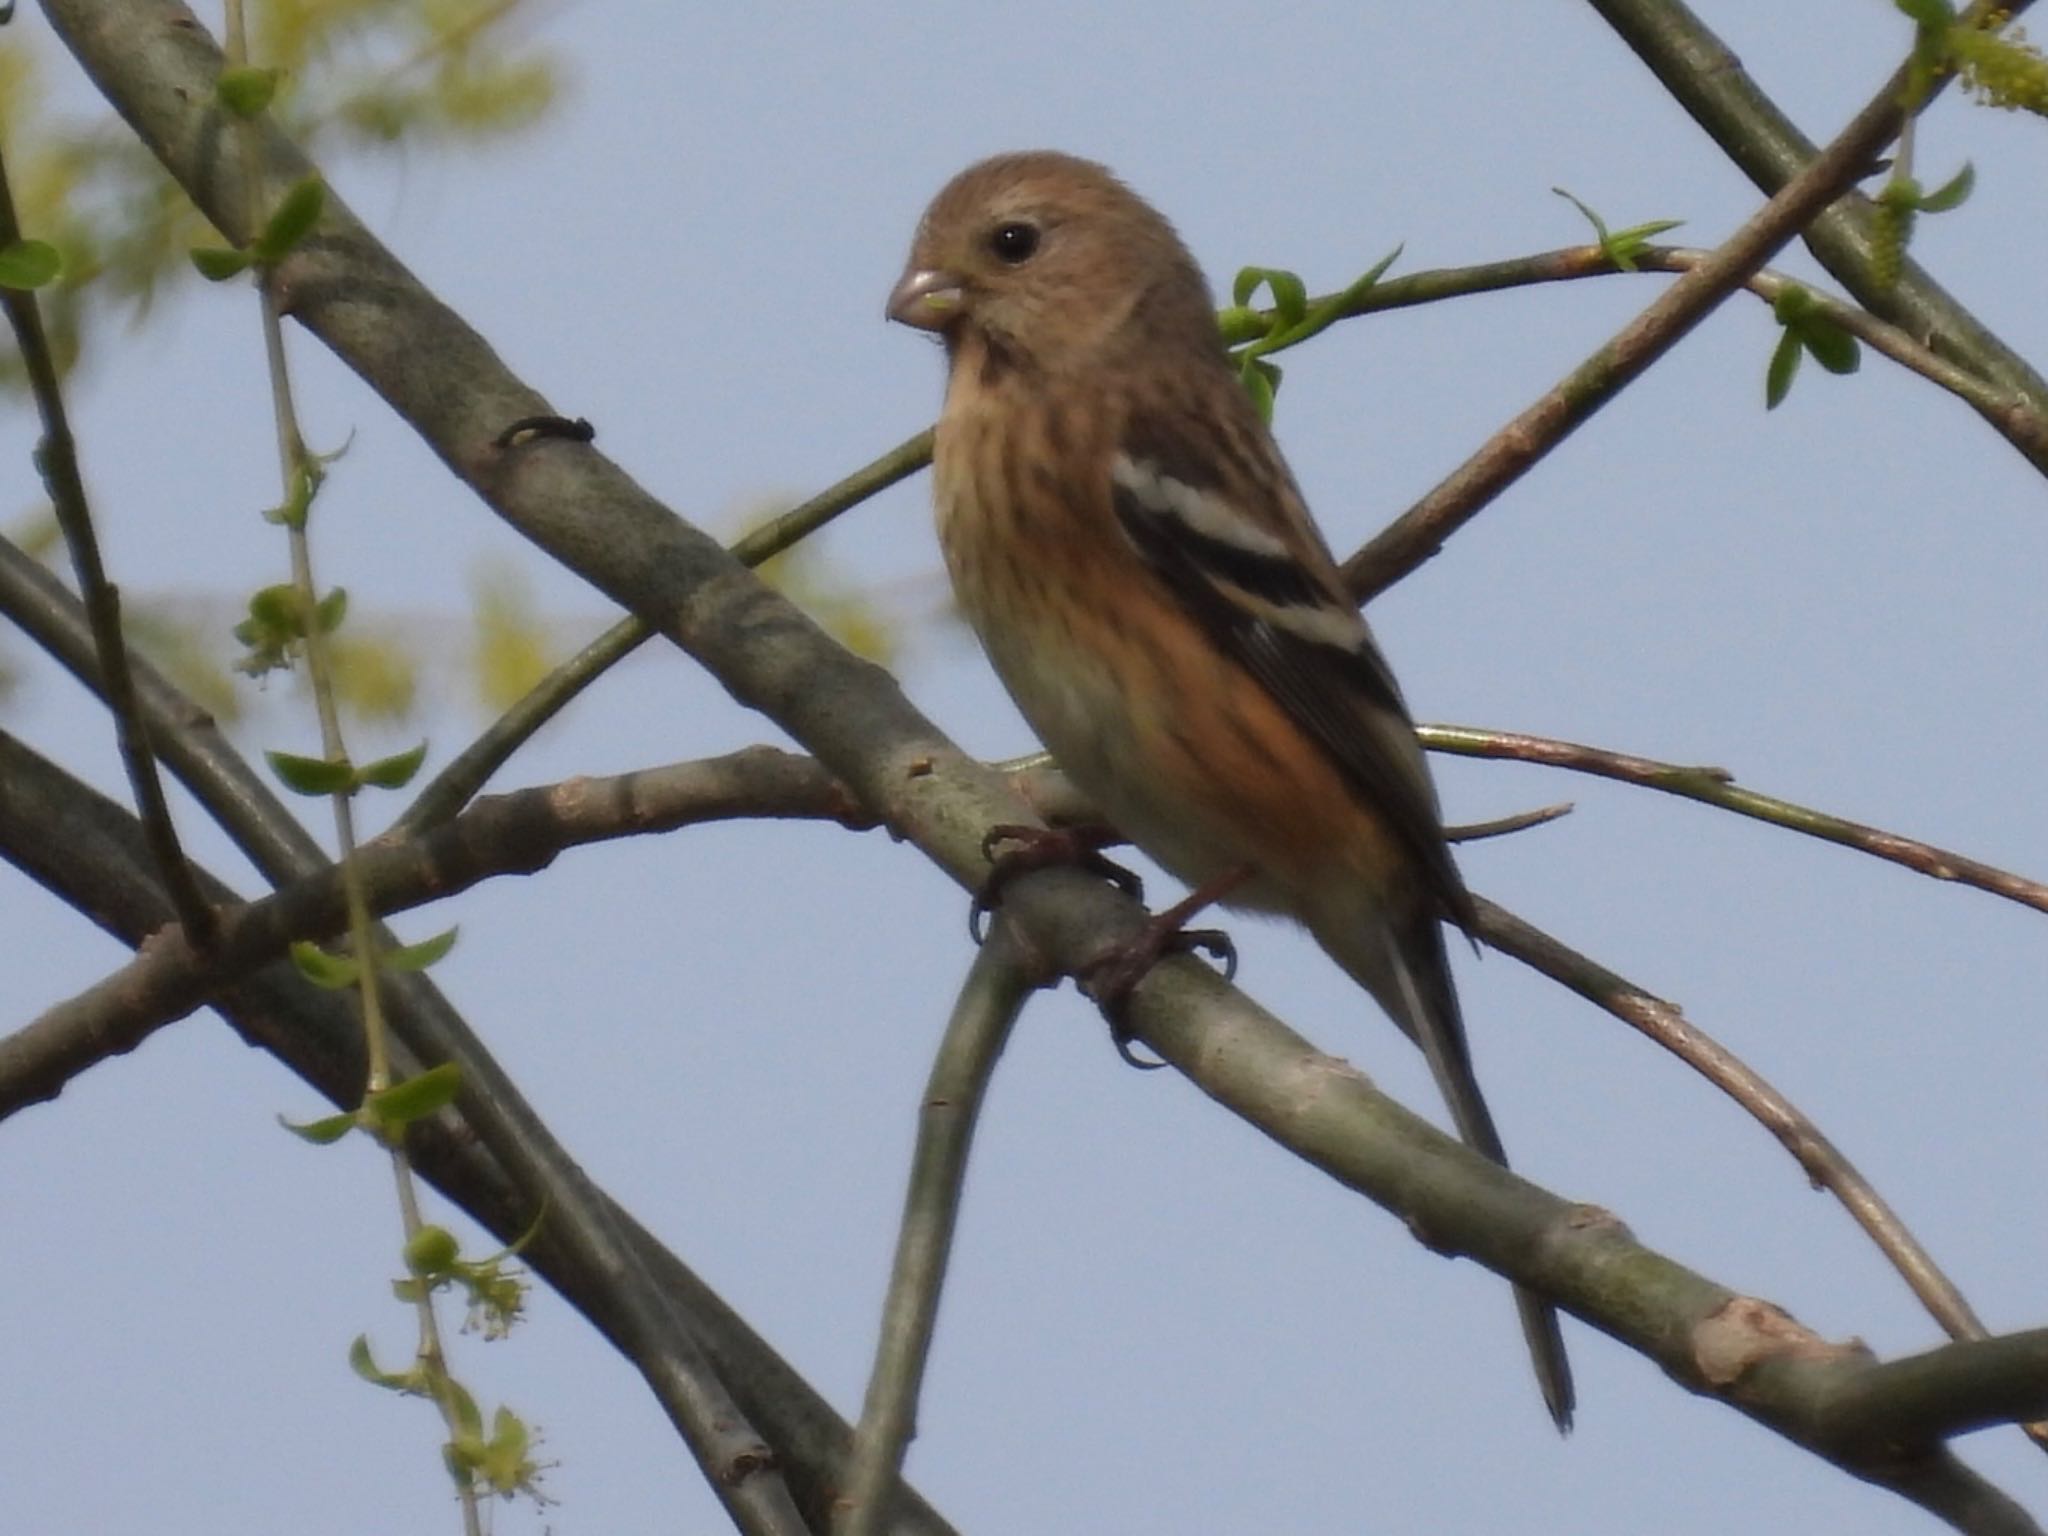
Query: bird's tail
<point x="1411" y="978"/>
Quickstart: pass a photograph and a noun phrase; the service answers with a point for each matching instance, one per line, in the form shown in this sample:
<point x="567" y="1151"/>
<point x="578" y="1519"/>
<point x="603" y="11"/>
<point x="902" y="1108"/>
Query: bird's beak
<point x="929" y="300"/>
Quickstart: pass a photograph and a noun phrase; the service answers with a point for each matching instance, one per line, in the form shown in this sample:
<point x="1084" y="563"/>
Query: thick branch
<point x="517" y="833"/>
<point x="1710" y="1339"/>
<point x="90" y="853"/>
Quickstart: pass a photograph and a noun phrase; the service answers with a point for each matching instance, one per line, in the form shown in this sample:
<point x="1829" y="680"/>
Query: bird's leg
<point x="1044" y="848"/>
<point x="1111" y="979"/>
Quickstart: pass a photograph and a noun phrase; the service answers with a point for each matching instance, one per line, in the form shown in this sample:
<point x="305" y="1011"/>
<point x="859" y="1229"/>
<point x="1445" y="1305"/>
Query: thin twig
<point x="1716" y="787"/>
<point x="57" y="458"/>
<point x="458" y="783"/>
<point x="1665" y="1024"/>
<point x="1419" y="533"/>
<point x="296" y="467"/>
<point x="2021" y="422"/>
<point x="470" y="769"/>
<point x="998" y="984"/>
<point x="1501" y="826"/>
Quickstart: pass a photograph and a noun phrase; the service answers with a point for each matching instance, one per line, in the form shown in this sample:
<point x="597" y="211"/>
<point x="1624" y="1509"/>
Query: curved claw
<point x="1122" y="1042"/>
<point x="1113" y="977"/>
<point x="1042" y="848"/>
<point x="1213" y="942"/>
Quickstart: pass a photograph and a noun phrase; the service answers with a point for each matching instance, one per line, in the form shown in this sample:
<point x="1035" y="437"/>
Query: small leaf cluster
<point x="1293" y="319"/>
<point x="1997" y="64"/>
<point x="290" y="222"/>
<point x="499" y="1462"/>
<point x="278" y="624"/>
<point x="343" y="75"/>
<point x="386" y="1113"/>
<point x="336" y="973"/>
<point x="1997" y="67"/>
<point x="1623" y="247"/>
<point x="1808" y="329"/>
<point x="495" y="1289"/>
<point x="1899" y="203"/>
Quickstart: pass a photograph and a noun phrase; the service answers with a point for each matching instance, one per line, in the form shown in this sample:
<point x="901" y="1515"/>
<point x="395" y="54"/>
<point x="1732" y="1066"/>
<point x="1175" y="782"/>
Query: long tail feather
<point x="1429" y="1013"/>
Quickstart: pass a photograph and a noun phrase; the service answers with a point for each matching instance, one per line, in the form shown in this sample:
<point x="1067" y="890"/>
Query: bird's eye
<point x="1013" y="242"/>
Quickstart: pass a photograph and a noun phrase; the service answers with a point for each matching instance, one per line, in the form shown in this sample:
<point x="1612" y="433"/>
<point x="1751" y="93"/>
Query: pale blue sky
<point x="1157" y="1321"/>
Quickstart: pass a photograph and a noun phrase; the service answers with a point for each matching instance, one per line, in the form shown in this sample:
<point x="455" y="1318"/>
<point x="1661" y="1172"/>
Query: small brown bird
<point x="1124" y="536"/>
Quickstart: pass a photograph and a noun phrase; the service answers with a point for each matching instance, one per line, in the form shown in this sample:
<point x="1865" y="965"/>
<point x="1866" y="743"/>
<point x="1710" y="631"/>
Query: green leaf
<point x="276" y="609"/>
<point x="1784" y="365"/>
<point x="246" y="90"/>
<point x="313" y="775"/>
<point x="364" y="1365"/>
<point x="393" y="772"/>
<point x="1261" y="381"/>
<point x="1337" y="305"/>
<point x="1832" y="347"/>
<point x="1792" y="304"/>
<point x="331" y="610"/>
<point x="398" y="1106"/>
<point x="216" y="263"/>
<point x="1951" y="193"/>
<point x="417" y="957"/>
<point x="1928" y="13"/>
<point x="293" y="220"/>
<point x="29" y="264"/>
<point x="323" y="1132"/>
<point x="298" y="503"/>
<point x="1625" y="245"/>
<point x="1312" y="323"/>
<point x="334" y="972"/>
<point x="1621" y="246"/>
<point x="1290" y="294"/>
<point x="463" y="1408"/>
<point x="1599" y="224"/>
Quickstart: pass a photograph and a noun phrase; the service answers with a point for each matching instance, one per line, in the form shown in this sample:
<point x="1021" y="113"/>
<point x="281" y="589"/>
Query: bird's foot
<point x="1112" y="978"/>
<point x="1043" y="848"/>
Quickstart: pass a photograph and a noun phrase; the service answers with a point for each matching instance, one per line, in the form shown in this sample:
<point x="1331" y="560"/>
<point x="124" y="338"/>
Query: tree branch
<point x="469" y="770"/>
<point x="1709" y="1339"/>
<point x="1717" y="787"/>
<point x="57" y="460"/>
<point x="998" y="984"/>
<point x="1822" y="1161"/>
<point x="518" y="833"/>
<point x="1420" y="532"/>
<point x="1706" y="78"/>
<point x="1945" y="1392"/>
<point x="90" y="853"/>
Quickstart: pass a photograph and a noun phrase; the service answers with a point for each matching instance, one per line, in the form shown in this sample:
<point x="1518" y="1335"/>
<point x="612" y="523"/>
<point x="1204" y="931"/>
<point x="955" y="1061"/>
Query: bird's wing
<point x="1223" y="527"/>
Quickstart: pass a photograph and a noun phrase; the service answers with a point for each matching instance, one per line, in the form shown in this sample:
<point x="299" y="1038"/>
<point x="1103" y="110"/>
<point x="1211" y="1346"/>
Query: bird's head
<point x="1049" y="262"/>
